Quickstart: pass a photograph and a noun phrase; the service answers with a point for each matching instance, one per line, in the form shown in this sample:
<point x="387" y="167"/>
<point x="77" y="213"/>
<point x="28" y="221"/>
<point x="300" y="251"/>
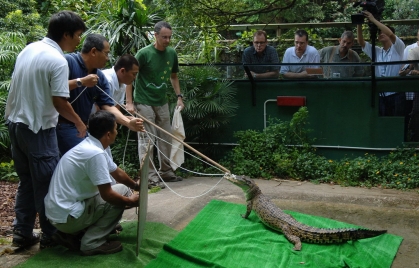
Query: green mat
<point x="219" y="237"/>
<point x="155" y="236"/>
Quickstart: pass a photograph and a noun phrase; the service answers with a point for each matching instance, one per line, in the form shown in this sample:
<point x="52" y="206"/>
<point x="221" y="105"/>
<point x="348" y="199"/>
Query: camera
<point x="375" y="7"/>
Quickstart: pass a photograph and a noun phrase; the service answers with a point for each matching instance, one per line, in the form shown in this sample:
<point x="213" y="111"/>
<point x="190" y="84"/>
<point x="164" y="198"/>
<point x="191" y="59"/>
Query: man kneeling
<point x="81" y="202"/>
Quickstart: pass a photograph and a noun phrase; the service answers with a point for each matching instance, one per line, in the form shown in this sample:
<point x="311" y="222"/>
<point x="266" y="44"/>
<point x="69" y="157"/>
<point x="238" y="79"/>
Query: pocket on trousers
<point x="43" y="166"/>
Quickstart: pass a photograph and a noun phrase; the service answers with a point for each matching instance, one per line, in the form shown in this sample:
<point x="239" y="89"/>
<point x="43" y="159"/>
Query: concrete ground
<point x="392" y="210"/>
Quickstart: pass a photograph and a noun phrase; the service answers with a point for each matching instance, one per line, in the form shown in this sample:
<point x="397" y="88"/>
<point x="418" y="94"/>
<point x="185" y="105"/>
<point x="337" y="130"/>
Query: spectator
<point x="83" y="78"/>
<point x="409" y="47"/>
<point x="300" y="53"/>
<point x="341" y="54"/>
<point x="158" y="65"/>
<point x="81" y="202"/>
<point x="261" y="53"/>
<point x="390" y="103"/>
<point x="38" y="92"/>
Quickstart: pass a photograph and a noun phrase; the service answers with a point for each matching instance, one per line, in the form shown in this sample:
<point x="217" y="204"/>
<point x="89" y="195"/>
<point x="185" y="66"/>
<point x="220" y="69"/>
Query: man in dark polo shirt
<point x="89" y="85"/>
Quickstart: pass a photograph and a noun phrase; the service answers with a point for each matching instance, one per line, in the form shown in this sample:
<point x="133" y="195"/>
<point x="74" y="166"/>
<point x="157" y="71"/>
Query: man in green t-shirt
<point x="158" y="67"/>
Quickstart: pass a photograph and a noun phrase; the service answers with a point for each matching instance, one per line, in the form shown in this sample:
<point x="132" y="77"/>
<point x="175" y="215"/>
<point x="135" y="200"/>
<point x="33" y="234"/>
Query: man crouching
<point x="81" y="202"/>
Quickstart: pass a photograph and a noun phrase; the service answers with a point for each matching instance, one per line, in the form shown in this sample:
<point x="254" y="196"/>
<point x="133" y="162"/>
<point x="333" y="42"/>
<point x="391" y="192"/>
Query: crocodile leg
<point x="292" y="238"/>
<point x="248" y="209"/>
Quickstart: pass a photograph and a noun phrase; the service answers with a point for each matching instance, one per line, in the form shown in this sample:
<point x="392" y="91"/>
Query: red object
<point x="290" y="101"/>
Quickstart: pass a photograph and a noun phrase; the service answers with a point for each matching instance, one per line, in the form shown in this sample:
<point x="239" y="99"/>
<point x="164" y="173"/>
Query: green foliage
<point x="124" y="23"/>
<point x="7" y="172"/>
<point x="209" y="102"/>
<point x="11" y="43"/>
<point x="81" y="7"/>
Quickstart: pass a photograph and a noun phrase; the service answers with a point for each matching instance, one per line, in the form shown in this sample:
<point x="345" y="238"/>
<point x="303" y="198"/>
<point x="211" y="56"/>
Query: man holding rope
<point x="158" y="66"/>
<point x="88" y="85"/>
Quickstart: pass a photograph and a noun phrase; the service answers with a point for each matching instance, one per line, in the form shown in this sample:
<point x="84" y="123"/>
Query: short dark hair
<point x="93" y="40"/>
<point x="100" y="123"/>
<point x="301" y="33"/>
<point x="126" y="61"/>
<point x="260" y="32"/>
<point x="161" y="24"/>
<point x="64" y="22"/>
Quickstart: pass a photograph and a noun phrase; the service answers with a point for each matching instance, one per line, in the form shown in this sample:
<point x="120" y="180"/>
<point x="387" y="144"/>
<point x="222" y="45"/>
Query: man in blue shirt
<point x="260" y="53"/>
<point x="89" y="85"/>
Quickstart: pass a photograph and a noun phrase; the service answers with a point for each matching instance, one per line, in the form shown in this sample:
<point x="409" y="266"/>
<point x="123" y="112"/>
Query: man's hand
<point x="180" y="103"/>
<point x="81" y="128"/>
<point x="136" y="124"/>
<point x="90" y="80"/>
<point x="133" y="200"/>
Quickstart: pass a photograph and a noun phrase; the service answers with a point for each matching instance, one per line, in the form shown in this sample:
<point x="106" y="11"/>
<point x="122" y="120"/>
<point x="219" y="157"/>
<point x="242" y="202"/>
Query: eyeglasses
<point x="107" y="54"/>
<point x="259" y="43"/>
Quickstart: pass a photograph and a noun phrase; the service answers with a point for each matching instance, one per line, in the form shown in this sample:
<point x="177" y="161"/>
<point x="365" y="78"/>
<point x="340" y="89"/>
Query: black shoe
<point x="118" y="228"/>
<point x="173" y="179"/>
<point x="153" y="184"/>
<point x="22" y="241"/>
<point x="47" y="242"/>
<point x="72" y="242"/>
<point x="107" y="248"/>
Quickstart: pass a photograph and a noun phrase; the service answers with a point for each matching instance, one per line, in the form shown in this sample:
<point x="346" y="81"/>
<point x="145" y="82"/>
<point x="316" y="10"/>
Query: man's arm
<point x="65" y="109"/>
<point x="384" y="29"/>
<point x="114" y="198"/>
<point x="87" y="81"/>
<point x="273" y="74"/>
<point x="361" y="40"/>
<point x="120" y="176"/>
<point x="129" y="99"/>
<point x="135" y="124"/>
<point x="174" y="79"/>
<point x="303" y="74"/>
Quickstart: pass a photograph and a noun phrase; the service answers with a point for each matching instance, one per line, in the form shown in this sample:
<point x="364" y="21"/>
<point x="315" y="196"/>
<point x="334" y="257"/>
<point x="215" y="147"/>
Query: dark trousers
<point x="35" y="157"/>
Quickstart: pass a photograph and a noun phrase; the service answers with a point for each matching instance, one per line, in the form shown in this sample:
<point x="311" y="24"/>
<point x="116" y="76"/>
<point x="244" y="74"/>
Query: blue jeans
<point x="67" y="137"/>
<point x="35" y="157"/>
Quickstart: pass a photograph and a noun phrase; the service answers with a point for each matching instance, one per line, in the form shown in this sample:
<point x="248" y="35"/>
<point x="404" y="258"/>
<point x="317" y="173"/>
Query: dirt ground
<point x="392" y="210"/>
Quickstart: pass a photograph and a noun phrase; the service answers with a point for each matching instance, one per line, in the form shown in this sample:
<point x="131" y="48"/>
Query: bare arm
<point x="384" y="29"/>
<point x="135" y="124"/>
<point x="114" y="198"/>
<point x="87" y="81"/>
<point x="272" y="74"/>
<point x="129" y="99"/>
<point x="303" y="74"/>
<point x="120" y="176"/>
<point x="64" y="108"/>
<point x="174" y="79"/>
<point x="361" y="40"/>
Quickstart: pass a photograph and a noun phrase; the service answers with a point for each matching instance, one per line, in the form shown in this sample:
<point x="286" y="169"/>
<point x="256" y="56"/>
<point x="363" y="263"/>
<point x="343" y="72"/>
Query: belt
<point x="62" y="120"/>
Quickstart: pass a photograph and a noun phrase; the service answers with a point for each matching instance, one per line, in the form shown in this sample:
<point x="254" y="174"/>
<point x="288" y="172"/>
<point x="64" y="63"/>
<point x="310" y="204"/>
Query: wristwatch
<point x="79" y="83"/>
<point x="180" y="96"/>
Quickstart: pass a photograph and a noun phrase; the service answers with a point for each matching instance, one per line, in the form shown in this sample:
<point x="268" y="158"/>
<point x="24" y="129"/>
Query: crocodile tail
<point x="329" y="236"/>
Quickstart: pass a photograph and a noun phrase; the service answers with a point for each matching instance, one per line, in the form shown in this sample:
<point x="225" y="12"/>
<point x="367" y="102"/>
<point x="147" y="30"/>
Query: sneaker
<point x="173" y="179"/>
<point x="109" y="247"/>
<point x="21" y="241"/>
<point x="47" y="241"/>
<point x="70" y="241"/>
<point x="152" y="184"/>
<point x="118" y="228"/>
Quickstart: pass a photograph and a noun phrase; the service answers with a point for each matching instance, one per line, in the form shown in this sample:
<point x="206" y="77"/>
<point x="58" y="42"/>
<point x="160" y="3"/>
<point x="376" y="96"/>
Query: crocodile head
<point x="243" y="182"/>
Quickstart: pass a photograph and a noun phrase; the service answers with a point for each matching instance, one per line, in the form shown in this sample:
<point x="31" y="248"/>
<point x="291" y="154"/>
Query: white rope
<point x="148" y="135"/>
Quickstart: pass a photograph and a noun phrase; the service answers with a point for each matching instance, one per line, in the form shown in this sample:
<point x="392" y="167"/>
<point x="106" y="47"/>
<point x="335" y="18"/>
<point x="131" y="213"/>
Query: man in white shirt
<point x="38" y="93"/>
<point x="300" y="53"/>
<point x="81" y="202"/>
<point x="391" y="103"/>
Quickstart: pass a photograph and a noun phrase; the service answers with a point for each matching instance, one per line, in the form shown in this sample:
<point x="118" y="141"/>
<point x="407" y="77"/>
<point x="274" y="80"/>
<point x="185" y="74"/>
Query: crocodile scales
<point x="294" y="231"/>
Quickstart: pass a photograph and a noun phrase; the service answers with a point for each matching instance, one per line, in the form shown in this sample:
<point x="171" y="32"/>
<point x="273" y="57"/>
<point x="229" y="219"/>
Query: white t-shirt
<point x="76" y="178"/>
<point x="408" y="48"/>
<point x="117" y="90"/>
<point x="41" y="72"/>
<point x="311" y="55"/>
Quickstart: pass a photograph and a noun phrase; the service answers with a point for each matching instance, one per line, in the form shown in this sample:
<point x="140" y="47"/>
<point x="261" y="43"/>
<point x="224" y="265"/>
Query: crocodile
<point x="296" y="232"/>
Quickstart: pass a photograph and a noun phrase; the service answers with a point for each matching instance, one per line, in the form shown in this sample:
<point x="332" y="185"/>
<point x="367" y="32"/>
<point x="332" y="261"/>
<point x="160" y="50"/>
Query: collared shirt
<point x="344" y="71"/>
<point x="40" y="73"/>
<point x="311" y="55"/>
<point x="80" y="98"/>
<point x="269" y="55"/>
<point x="117" y="89"/>
<point x="394" y="53"/>
<point x="76" y="178"/>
